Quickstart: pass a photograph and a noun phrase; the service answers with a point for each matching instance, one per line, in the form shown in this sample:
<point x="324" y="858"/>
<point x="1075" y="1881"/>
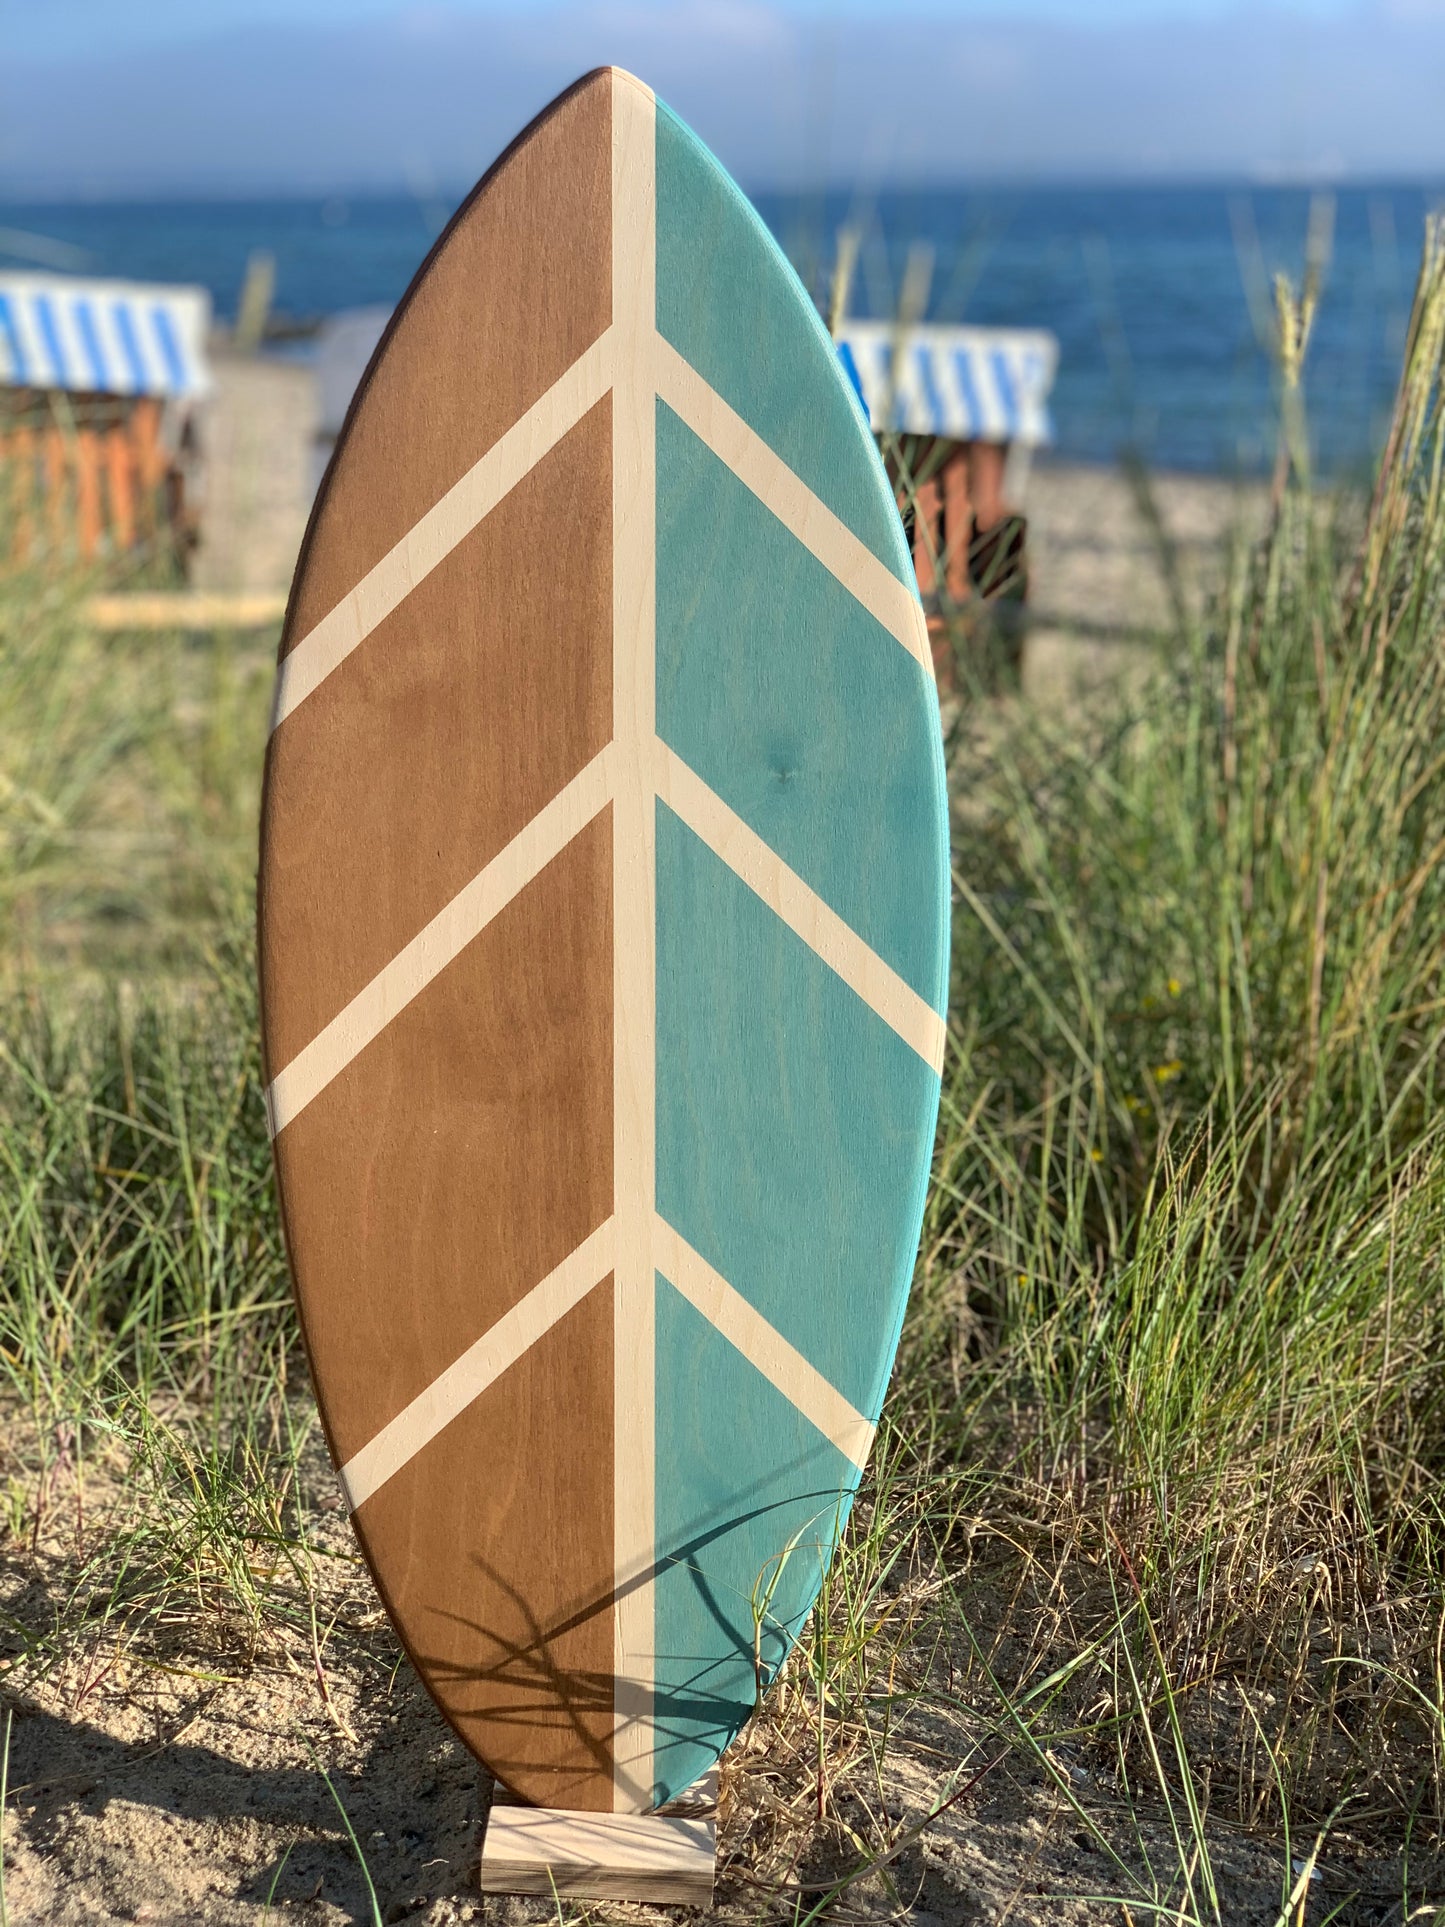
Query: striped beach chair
<point x="959" y="412"/>
<point x="99" y="381"/>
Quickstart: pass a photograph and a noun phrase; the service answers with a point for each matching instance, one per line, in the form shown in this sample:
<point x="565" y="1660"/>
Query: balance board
<point x="603" y="923"/>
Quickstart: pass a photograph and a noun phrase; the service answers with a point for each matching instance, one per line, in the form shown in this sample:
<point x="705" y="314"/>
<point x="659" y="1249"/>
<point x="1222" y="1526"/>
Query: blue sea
<point x="1157" y="294"/>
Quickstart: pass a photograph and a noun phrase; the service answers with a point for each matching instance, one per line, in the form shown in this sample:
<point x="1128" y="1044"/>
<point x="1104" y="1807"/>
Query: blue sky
<point x="68" y="27"/>
<point x="197" y="96"/>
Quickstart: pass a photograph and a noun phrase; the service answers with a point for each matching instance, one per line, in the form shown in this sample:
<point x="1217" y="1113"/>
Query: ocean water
<point x="1148" y="288"/>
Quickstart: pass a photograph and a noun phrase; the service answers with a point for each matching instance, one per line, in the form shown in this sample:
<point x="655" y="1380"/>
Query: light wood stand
<point x="669" y="1855"/>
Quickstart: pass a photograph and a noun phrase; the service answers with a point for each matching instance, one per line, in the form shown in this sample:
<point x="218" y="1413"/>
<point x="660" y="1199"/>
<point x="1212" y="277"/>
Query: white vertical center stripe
<point x="634" y="889"/>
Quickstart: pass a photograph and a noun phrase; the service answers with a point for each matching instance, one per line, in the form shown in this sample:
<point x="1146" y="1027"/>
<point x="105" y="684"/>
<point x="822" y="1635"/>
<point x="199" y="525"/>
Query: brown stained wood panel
<point x="145" y="428"/>
<point x="87" y="470"/>
<point x="21" y="461"/>
<point x="493" y="1550"/>
<point x="457" y="368"/>
<point x="392" y="785"/>
<point x="57" y="504"/>
<point x="461" y="1156"/>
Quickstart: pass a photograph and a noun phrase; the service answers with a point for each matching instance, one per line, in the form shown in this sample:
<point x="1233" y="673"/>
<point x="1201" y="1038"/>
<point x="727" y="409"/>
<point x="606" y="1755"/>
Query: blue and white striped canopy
<point x="103" y="337"/>
<point x="971" y="384"/>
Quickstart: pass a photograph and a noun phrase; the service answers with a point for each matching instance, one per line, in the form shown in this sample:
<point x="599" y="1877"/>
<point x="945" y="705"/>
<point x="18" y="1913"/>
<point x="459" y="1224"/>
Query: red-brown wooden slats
<point x="96" y="484"/>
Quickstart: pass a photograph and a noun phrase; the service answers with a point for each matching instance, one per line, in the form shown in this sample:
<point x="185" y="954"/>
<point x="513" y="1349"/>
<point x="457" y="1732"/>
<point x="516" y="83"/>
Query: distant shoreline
<point x="1158" y="293"/>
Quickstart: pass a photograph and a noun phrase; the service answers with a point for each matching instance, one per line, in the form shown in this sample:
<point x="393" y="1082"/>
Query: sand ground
<point x="196" y="1769"/>
<point x="1100" y="565"/>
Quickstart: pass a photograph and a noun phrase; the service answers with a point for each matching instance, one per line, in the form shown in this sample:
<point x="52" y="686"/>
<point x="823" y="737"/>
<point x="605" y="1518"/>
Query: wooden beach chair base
<point x="669" y="1856"/>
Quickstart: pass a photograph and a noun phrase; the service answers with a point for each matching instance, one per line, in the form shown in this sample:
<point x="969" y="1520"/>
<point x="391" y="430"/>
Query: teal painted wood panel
<point x="794" y="1128"/>
<point x="729" y="301"/>
<point x="750" y="1504"/>
<point x="798" y="708"/>
<point x="794" y="1120"/>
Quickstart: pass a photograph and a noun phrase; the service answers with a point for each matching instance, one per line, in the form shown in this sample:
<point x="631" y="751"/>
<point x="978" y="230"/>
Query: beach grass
<point x="1154" y="1524"/>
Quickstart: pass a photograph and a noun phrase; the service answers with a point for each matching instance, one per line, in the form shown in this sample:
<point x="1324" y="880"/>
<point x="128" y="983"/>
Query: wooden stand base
<point x="666" y="1856"/>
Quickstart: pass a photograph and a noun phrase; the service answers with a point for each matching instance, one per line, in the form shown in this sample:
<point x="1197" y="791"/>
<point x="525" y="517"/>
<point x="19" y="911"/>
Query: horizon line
<point x="303" y="194"/>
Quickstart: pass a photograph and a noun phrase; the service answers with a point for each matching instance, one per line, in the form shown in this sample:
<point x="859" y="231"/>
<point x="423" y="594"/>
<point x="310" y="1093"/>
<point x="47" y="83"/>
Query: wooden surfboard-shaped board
<point x="603" y="950"/>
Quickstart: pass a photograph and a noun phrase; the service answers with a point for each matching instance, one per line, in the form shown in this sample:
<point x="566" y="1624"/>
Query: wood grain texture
<point x="603" y="944"/>
<point x="762" y="1345"/>
<point x="534" y="239"/>
<point x="459" y="921"/>
<point x="505" y="1341"/>
<point x="362" y="845"/>
<point x="779" y="688"/>
<point x="462" y="1156"/>
<point x="666" y="1859"/>
<point x="181" y="610"/>
<point x="892" y="602"/>
<point x="493" y="1549"/>
<point x="634" y="899"/>
<point x="798" y="906"/>
<point x="433" y="537"/>
<point x="435" y="942"/>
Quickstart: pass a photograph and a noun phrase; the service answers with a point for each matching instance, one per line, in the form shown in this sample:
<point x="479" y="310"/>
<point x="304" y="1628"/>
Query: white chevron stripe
<point x="762" y="1345"/>
<point x="634" y="931"/>
<point x="479" y="1366"/>
<point x="383" y="588"/>
<point x="532" y="1317"/>
<point x="754" y="462"/>
<point x="800" y="907"/>
<point x="434" y="946"/>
